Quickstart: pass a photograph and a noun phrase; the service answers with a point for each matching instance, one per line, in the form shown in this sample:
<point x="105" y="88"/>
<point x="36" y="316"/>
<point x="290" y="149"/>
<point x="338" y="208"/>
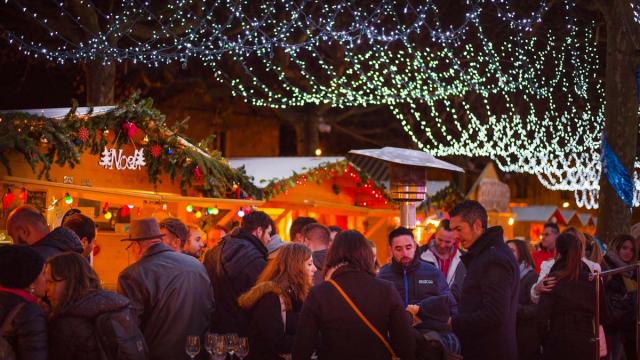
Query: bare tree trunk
<point x="621" y="122"/>
<point x="311" y="138"/>
<point x="100" y="83"/>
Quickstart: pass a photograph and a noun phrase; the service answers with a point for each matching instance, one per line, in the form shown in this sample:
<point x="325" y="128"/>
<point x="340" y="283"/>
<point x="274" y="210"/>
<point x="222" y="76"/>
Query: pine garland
<point x="44" y="141"/>
<point x="322" y="172"/>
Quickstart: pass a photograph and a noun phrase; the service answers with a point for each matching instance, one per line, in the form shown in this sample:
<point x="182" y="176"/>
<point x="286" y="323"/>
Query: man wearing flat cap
<point x="169" y="291"/>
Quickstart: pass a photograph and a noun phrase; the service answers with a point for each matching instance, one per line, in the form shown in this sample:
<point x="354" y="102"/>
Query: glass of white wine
<point x="193" y="346"/>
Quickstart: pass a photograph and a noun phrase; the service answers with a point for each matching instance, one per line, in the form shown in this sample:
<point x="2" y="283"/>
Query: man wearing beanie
<point x="27" y="226"/>
<point x="22" y="280"/>
<point x="170" y="292"/>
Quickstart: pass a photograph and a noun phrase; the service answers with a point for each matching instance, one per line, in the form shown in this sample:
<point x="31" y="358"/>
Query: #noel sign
<point x="113" y="158"/>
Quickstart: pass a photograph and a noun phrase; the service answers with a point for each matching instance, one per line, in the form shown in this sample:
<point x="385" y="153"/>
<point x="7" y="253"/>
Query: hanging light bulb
<point x="68" y="199"/>
<point x="130" y="206"/>
<point x="198" y="214"/>
<point x="213" y="211"/>
<point x="241" y="213"/>
<point x="108" y="215"/>
<point x="189" y="208"/>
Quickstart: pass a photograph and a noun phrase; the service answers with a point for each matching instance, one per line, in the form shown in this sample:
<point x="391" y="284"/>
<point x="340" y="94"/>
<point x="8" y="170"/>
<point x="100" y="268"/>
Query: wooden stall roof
<point x="139" y="194"/>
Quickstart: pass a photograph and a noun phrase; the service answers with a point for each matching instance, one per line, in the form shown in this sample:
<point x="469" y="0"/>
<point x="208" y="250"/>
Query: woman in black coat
<point x="22" y="282"/>
<point x="77" y="304"/>
<point x="620" y="290"/>
<point x="526" y="331"/>
<point x="274" y="303"/>
<point x="566" y="314"/>
<point x="327" y="316"/>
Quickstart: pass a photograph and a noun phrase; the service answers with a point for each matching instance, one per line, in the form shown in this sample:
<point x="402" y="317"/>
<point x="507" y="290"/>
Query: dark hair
<point x="79" y="276"/>
<point x="82" y="225"/>
<point x="256" y="220"/>
<point x="569" y="248"/>
<point x="443" y="225"/>
<point x="470" y="211"/>
<point x="553" y="226"/>
<point x="352" y="248"/>
<point x="177" y="228"/>
<point x="69" y="213"/>
<point x="523" y="252"/>
<point x="619" y="240"/>
<point x="322" y="231"/>
<point x="335" y="229"/>
<point x="298" y="224"/>
<point x="399" y="232"/>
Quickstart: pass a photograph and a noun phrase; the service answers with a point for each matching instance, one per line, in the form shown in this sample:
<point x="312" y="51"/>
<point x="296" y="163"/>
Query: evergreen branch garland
<point x="44" y="142"/>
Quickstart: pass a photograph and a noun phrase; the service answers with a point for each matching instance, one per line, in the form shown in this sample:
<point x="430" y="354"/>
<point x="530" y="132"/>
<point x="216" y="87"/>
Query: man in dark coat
<point x="27" y="226"/>
<point x="486" y="322"/>
<point x="170" y="292"/>
<point x="415" y="280"/>
<point x="234" y="266"/>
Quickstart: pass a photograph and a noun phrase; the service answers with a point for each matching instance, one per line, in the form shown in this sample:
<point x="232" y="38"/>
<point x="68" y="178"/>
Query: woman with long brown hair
<point x="274" y="303"/>
<point x="81" y="314"/>
<point x="566" y="314"/>
<point x="358" y="316"/>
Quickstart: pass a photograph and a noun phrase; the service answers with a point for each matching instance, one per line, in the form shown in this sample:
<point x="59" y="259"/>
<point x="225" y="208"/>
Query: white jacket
<point x="430" y="257"/>
<point x="545" y="268"/>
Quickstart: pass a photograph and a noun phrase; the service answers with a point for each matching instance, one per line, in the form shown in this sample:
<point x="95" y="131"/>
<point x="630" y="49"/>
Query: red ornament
<point x="156" y="150"/>
<point x="130" y="128"/>
<point x="83" y="134"/>
<point x="7" y="199"/>
<point x="197" y="172"/>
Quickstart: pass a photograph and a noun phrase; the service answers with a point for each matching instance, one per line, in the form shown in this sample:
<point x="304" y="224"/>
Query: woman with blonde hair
<point x="274" y="303"/>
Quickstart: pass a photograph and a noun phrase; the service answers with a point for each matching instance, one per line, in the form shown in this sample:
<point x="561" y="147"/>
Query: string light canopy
<point x="183" y="29"/>
<point x="465" y="95"/>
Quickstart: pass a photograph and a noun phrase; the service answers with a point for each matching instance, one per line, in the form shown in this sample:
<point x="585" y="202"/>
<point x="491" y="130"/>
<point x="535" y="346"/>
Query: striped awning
<point x="375" y="162"/>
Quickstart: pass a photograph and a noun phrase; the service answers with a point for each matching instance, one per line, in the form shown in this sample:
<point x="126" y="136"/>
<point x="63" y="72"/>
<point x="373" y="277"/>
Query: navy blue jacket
<point x="419" y="281"/>
<point x="486" y="324"/>
<point x="234" y="266"/>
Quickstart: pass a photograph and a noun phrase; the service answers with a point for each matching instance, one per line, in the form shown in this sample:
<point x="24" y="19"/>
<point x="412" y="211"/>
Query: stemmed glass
<point x="242" y="347"/>
<point x="230" y="341"/>
<point x="219" y="346"/>
<point x="193" y="346"/>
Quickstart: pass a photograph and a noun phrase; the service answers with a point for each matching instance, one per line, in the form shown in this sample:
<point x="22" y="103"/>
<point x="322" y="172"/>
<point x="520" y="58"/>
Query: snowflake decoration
<point x="156" y="151"/>
<point x="83" y="134"/>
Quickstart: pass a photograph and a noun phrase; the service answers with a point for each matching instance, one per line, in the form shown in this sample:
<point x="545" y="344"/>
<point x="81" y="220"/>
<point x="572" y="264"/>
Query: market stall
<point x="115" y="164"/>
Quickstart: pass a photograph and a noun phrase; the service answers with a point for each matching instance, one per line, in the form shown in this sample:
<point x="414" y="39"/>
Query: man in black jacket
<point x="170" y="292"/>
<point x="234" y="266"/>
<point x="27" y="226"/>
<point x="486" y="322"/>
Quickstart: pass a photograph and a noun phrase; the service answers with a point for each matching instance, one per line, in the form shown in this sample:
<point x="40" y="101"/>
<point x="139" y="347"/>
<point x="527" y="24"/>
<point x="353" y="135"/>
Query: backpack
<point x="6" y="350"/>
<point x="119" y="338"/>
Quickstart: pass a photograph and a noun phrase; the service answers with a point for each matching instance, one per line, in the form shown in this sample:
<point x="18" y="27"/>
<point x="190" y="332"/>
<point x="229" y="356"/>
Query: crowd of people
<point x="467" y="293"/>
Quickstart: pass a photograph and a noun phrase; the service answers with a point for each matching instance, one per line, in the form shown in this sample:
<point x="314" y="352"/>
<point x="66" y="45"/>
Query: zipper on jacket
<point x="406" y="289"/>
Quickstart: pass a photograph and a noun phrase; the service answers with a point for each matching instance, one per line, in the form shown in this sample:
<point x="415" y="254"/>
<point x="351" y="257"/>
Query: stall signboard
<point x="114" y="158"/>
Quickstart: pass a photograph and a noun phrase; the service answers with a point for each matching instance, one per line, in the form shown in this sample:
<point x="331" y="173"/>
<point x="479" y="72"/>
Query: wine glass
<point x="193" y="346"/>
<point x="209" y="343"/>
<point x="230" y="343"/>
<point x="219" y="346"/>
<point x="242" y="347"/>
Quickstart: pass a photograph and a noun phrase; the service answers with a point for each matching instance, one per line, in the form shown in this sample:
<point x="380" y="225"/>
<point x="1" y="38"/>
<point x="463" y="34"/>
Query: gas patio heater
<point x="406" y="172"/>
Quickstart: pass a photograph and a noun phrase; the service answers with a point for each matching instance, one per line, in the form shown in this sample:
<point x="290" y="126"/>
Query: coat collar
<point x="491" y="237"/>
<point x="253" y="240"/>
<point x="398" y="268"/>
<point x="156" y="249"/>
